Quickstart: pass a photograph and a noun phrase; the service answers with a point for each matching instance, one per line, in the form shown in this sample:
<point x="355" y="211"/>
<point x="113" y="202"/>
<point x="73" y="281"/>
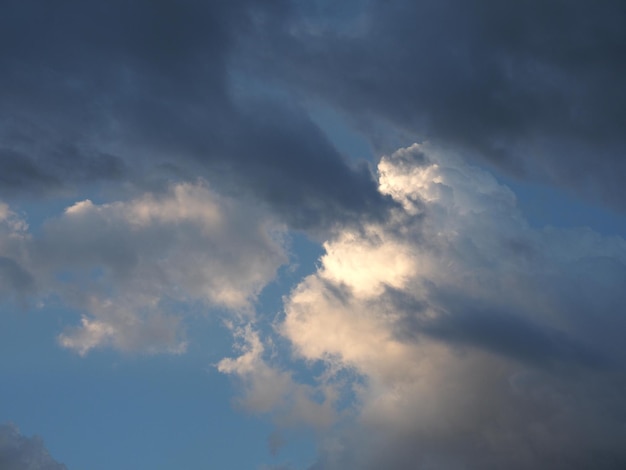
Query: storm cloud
<point x="146" y="92"/>
<point x="534" y="88"/>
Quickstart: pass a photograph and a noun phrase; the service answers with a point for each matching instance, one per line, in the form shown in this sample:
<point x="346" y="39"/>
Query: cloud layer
<point x="145" y="92"/>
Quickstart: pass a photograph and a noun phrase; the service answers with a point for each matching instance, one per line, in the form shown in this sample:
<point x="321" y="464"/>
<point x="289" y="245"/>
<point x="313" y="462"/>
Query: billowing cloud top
<point x="148" y="90"/>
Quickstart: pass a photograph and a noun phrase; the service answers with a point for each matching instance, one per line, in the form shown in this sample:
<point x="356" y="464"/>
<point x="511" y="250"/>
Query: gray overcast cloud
<point x="140" y="91"/>
<point x="144" y="91"/>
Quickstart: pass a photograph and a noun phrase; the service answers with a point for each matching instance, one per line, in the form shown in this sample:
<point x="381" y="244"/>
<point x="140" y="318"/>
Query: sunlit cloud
<point x="452" y="316"/>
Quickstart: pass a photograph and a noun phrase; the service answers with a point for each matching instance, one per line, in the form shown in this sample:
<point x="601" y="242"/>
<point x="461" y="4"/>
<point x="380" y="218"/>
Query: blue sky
<point x="283" y="235"/>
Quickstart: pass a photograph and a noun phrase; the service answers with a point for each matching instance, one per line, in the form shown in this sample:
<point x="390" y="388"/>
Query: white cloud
<point x="480" y="342"/>
<point x="130" y="267"/>
<point x="18" y="452"/>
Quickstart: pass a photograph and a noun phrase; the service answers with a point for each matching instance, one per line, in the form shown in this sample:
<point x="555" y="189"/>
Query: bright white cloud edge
<point x="475" y="340"/>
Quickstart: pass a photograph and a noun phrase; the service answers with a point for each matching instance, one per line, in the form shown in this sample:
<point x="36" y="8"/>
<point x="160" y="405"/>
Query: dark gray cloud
<point x="149" y="91"/>
<point x="534" y="87"/>
<point x="18" y="452"/>
<point x="144" y="92"/>
<point x="512" y="336"/>
<point x="467" y="323"/>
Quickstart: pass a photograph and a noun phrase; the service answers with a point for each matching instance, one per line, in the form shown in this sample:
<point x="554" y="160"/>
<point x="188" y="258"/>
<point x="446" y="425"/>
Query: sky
<point x="312" y="235"/>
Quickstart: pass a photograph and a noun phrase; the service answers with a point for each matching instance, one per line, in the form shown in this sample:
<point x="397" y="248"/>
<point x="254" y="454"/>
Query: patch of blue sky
<point x="347" y="140"/>
<point x="111" y="410"/>
<point x="550" y="206"/>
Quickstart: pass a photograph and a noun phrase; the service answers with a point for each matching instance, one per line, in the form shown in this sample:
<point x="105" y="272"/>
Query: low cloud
<point x="18" y="452"/>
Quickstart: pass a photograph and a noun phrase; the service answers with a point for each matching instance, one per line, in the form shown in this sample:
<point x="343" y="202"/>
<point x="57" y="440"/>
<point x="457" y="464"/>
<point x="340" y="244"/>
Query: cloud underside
<point x="18" y="452"/>
<point x="147" y="92"/>
<point x="140" y="93"/>
<point x="534" y="89"/>
<point x="464" y="337"/>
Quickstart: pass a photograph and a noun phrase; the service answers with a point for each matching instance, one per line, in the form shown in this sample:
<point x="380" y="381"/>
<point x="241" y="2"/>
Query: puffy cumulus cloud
<point x="478" y="341"/>
<point x="18" y="452"/>
<point x="131" y="267"/>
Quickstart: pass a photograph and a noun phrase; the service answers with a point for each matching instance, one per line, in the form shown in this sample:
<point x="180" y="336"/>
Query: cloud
<point x="268" y="389"/>
<point x="532" y="88"/>
<point x="131" y="268"/>
<point x="477" y="340"/>
<point x="18" y="452"/>
<point x="147" y="92"/>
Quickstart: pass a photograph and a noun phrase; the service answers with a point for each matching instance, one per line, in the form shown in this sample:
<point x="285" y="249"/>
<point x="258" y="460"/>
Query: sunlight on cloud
<point x="450" y="334"/>
<point x="366" y="265"/>
<point x="441" y="311"/>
